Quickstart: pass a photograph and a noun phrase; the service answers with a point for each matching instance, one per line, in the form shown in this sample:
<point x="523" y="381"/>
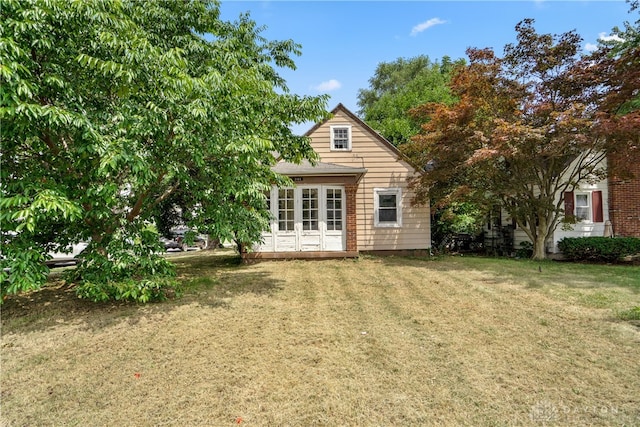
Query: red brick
<point x="624" y="202"/>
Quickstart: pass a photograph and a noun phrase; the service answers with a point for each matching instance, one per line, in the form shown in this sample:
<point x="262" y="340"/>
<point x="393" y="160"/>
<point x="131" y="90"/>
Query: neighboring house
<point x="610" y="207"/>
<point x="355" y="200"/>
<point x="624" y="202"/>
<point x="589" y="203"/>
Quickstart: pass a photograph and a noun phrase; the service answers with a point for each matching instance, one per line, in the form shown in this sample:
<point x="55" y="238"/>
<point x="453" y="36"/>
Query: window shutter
<point x="596" y="200"/>
<point x="568" y="203"/>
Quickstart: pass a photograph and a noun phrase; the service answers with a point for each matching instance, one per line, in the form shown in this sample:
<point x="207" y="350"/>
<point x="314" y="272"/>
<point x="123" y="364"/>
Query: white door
<point x="286" y="234"/>
<point x="306" y="218"/>
<point x="333" y="224"/>
<point x="310" y="237"/>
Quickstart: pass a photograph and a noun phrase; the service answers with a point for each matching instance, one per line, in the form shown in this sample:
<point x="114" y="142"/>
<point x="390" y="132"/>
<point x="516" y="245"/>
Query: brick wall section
<point x="352" y="224"/>
<point x="624" y="202"/>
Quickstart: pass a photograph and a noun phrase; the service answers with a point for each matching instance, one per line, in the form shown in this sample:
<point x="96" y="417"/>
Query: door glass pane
<point x="334" y="209"/>
<point x="309" y="209"/>
<point x="285" y="209"/>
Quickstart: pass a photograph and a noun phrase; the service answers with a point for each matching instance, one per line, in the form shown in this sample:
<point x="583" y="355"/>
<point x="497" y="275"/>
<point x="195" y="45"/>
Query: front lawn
<point x="368" y="342"/>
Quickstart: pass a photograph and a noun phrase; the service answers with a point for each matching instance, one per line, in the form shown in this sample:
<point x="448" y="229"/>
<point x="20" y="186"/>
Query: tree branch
<point x="142" y="197"/>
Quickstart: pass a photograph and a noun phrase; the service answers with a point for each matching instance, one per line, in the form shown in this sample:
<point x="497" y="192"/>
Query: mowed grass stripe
<point x="448" y="342"/>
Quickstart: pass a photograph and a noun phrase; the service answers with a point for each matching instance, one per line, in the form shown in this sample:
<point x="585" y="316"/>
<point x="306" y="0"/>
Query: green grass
<point x="539" y="273"/>
<point x="630" y="314"/>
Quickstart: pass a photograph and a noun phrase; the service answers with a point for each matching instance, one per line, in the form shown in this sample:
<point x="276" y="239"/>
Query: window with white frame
<point x="334" y="209"/>
<point x="286" y="209"/>
<point x="310" y="209"/>
<point x="387" y="207"/>
<point x="583" y="206"/>
<point x="341" y="138"/>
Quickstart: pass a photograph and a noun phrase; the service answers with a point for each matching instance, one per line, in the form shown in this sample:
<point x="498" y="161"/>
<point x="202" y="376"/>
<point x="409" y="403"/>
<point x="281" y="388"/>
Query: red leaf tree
<point x="527" y="128"/>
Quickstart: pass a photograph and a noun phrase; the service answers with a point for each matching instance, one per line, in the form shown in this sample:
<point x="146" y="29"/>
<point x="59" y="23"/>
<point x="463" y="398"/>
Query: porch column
<point x="352" y="223"/>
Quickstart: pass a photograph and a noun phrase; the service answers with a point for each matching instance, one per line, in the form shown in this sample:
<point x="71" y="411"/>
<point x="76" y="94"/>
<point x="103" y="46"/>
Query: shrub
<point x="525" y="250"/>
<point x="602" y="249"/>
<point x="128" y="267"/>
<point x="452" y="221"/>
<point x="158" y="289"/>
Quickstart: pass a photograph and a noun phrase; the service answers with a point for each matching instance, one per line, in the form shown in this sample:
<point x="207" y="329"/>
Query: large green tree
<point x="110" y="108"/>
<point x="397" y="87"/>
<point x="526" y="129"/>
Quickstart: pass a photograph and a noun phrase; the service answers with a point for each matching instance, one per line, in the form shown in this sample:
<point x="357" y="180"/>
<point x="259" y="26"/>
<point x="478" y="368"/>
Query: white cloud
<point x="605" y="38"/>
<point x="590" y="47"/>
<point x="328" y="86"/>
<point x="426" y="25"/>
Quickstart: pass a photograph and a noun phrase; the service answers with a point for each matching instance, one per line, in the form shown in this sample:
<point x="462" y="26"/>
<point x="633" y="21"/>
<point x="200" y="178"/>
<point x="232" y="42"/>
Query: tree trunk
<point x="539" y="247"/>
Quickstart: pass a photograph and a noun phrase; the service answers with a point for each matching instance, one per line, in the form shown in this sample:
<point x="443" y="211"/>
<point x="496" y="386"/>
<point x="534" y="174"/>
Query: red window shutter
<point x="568" y="203"/>
<point x="596" y="201"/>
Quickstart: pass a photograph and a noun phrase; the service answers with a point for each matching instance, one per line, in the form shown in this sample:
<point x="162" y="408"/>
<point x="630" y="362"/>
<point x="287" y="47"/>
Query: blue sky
<point x="343" y="41"/>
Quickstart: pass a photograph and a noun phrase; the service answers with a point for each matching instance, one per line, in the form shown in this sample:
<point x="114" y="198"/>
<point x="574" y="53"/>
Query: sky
<point x="344" y="41"/>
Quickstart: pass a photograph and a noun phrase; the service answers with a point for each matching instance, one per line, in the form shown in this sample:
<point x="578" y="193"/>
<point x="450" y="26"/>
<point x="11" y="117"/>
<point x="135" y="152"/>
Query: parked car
<point x="172" y="244"/>
<point x="178" y="241"/>
<point x="62" y="259"/>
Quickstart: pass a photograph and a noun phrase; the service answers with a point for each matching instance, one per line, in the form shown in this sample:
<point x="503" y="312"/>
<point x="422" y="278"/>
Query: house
<point x="610" y="207"/>
<point x="355" y="200"/>
<point x="589" y="203"/>
<point x="624" y="201"/>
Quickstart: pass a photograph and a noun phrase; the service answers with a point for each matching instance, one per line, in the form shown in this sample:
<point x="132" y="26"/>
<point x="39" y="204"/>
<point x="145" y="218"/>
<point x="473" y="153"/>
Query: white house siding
<point x="384" y="170"/>
<point x="587" y="228"/>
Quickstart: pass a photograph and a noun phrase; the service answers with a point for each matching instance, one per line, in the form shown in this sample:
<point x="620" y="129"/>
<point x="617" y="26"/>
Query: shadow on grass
<point x="208" y="279"/>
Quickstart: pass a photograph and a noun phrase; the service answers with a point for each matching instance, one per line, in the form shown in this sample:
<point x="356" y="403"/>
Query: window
<point x="310" y="209"/>
<point x="341" y="138"/>
<point x="267" y="196"/>
<point x="582" y="207"/>
<point x="387" y="206"/>
<point x="334" y="209"/>
<point x="285" y="209"/>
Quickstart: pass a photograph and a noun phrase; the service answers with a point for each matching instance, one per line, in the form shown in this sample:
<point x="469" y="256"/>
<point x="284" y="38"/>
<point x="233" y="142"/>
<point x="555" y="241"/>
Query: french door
<point x="306" y="218"/>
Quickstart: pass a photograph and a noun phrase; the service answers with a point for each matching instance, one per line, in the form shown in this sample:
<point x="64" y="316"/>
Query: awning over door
<point x="305" y="169"/>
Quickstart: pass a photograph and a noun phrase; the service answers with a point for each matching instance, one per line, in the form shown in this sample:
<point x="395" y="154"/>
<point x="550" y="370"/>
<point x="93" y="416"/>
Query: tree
<point x="524" y="131"/>
<point x="616" y="66"/>
<point x="398" y="86"/>
<point x="110" y="108"/>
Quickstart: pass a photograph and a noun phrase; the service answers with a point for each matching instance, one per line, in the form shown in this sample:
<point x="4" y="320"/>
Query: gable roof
<point x="356" y="119"/>
<point x="369" y="129"/>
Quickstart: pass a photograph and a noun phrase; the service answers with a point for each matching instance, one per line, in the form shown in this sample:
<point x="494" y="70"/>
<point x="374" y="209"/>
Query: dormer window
<point x="341" y="138"/>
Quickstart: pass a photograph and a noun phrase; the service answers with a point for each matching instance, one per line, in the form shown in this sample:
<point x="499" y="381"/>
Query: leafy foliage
<point x="110" y="108"/>
<point x="616" y="66"/>
<point x="525" y="250"/>
<point x="452" y="220"/>
<point x="601" y="249"/>
<point x="395" y="89"/>
<point x="399" y="86"/>
<point x="524" y="131"/>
